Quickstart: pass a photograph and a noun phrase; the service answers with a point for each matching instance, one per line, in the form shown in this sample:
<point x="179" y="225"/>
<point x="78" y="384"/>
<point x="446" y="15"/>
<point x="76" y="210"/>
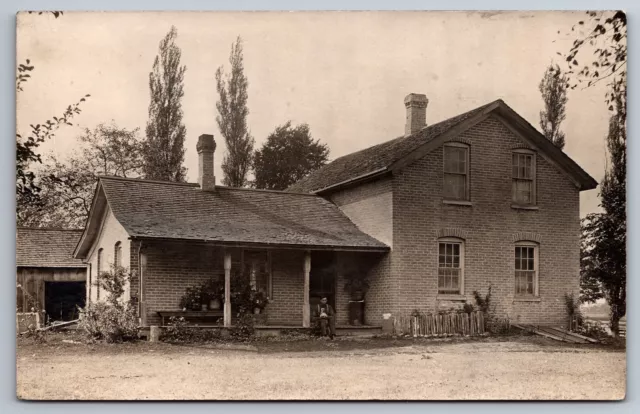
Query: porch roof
<point x="152" y="209"/>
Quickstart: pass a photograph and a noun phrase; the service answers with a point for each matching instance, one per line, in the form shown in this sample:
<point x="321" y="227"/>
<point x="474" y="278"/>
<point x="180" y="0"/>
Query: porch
<point x="293" y="280"/>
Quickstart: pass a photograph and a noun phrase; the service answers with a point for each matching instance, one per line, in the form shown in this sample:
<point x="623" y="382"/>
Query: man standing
<point x="327" y="318"/>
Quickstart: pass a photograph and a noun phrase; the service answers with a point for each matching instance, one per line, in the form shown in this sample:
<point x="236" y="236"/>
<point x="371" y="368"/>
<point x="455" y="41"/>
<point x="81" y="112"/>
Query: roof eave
<point x="352" y="181"/>
<point x="266" y="245"/>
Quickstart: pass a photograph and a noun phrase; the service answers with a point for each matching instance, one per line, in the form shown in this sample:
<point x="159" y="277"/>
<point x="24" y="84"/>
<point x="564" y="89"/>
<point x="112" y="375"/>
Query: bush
<point x="572" y="305"/>
<point x="593" y="330"/>
<point x="243" y="330"/>
<point x="178" y="331"/>
<point x="110" y="322"/>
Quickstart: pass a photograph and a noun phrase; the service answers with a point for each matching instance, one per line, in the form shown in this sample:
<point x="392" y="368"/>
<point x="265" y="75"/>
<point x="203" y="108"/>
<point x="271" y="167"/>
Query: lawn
<point x="507" y="368"/>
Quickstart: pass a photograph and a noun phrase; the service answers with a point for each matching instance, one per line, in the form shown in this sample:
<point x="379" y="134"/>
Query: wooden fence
<point x="440" y="324"/>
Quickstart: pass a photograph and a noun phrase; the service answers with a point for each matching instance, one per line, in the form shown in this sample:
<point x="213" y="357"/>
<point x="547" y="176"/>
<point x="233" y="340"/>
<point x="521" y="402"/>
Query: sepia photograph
<point x="321" y="205"/>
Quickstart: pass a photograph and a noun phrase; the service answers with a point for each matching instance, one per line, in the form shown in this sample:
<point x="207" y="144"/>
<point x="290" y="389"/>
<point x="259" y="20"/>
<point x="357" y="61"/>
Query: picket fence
<point x="440" y="324"/>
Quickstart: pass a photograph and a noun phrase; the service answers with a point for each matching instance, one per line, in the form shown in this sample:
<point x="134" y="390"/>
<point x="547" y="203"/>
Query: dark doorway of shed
<point x="322" y="278"/>
<point x="62" y="300"/>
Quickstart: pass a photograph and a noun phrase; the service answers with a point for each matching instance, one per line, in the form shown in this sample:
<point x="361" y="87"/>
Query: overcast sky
<point x="344" y="73"/>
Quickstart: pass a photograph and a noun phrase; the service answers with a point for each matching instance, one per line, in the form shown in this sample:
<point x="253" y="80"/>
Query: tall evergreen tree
<point x="553" y="88"/>
<point x="232" y="119"/>
<point x="287" y="156"/>
<point x="165" y="133"/>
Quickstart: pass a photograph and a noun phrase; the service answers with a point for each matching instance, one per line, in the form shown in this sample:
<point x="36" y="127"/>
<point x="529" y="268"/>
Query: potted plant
<point x="214" y="292"/>
<point x="357" y="287"/>
<point x="192" y="299"/>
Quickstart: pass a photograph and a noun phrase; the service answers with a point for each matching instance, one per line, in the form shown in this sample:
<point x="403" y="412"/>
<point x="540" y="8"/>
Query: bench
<point x="191" y="314"/>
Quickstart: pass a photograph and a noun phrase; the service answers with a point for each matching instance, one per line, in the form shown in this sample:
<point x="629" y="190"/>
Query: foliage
<point x="553" y="88"/>
<point x="356" y="282"/>
<point x="165" y="132"/>
<point x="243" y="330"/>
<point x="196" y="295"/>
<point x="232" y="119"/>
<point x="67" y="187"/>
<point x="592" y="330"/>
<point x="483" y="303"/>
<point x="112" y="320"/>
<point x="468" y="308"/>
<point x="572" y="306"/>
<point x="288" y="155"/>
<point x="179" y="331"/>
<point x="27" y="190"/>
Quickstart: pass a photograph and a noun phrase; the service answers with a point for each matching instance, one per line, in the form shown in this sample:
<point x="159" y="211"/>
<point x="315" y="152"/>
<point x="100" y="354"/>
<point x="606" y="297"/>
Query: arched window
<point x="526" y="268"/>
<point x="98" y="271"/>
<point x="117" y="254"/>
<point x="456" y="171"/>
<point x="450" y="266"/>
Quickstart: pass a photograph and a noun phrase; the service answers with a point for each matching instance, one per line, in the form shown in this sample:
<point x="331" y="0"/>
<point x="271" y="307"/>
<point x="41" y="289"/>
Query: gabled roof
<point x="382" y="158"/>
<point x="164" y="210"/>
<point x="41" y="247"/>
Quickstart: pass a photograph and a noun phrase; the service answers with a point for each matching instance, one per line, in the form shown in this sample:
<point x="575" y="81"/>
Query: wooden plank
<point x="586" y="338"/>
<point x="562" y="334"/>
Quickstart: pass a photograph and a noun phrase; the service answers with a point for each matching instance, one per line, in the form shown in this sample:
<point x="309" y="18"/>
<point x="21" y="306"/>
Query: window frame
<point x="99" y="260"/>
<point x="466" y="174"/>
<point x="461" y="243"/>
<point x="534" y="180"/>
<point x="117" y="254"/>
<point x="536" y="267"/>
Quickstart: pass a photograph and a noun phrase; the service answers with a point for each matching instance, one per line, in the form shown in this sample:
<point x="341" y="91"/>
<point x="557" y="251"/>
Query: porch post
<point x="142" y="299"/>
<point x="306" y="311"/>
<point x="227" y="288"/>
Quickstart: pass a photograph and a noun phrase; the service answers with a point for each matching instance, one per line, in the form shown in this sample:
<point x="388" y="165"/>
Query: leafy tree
<point x="287" y="156"/>
<point x="67" y="187"/>
<point x="165" y="133"/>
<point x="553" y="88"/>
<point x="605" y="233"/>
<point x="232" y="119"/>
<point x="27" y="190"/>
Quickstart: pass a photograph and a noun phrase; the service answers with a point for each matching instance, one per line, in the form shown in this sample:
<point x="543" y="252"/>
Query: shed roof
<point x="45" y="247"/>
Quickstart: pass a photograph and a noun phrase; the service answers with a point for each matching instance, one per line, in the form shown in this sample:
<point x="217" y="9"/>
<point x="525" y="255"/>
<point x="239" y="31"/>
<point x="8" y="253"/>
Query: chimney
<point x="206" y="148"/>
<point x="416" y="104"/>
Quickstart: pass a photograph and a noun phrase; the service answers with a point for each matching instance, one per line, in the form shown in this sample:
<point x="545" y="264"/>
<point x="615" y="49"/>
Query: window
<point x="98" y="271"/>
<point x="526" y="269"/>
<point x="257" y="268"/>
<point x="450" y="266"/>
<point x="523" y="172"/>
<point x="117" y="254"/>
<point x="456" y="171"/>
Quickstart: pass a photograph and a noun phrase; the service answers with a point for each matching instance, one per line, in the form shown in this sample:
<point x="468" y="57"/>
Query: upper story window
<point x="450" y="266"/>
<point x="526" y="269"/>
<point x="523" y="173"/>
<point x="117" y="254"/>
<point x="456" y="171"/>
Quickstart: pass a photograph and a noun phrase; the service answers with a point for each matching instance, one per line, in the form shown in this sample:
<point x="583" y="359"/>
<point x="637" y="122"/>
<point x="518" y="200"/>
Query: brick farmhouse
<point x="481" y="199"/>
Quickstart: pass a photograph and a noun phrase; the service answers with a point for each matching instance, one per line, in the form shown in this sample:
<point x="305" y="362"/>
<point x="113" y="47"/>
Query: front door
<point x="322" y="278"/>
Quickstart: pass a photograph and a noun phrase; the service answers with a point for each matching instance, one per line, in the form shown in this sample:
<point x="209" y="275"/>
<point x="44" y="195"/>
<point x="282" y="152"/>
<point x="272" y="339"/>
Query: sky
<point x="344" y="73"/>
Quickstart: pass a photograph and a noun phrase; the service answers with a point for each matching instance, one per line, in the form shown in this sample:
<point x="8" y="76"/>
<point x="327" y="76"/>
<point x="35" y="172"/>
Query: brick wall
<point x="173" y="266"/>
<point x="489" y="226"/>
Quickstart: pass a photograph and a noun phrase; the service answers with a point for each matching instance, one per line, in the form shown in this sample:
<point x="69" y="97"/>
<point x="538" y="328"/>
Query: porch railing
<point x="440" y="324"/>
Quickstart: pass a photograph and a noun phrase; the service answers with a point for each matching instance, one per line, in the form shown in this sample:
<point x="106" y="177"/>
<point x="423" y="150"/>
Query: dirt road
<point x="378" y="369"/>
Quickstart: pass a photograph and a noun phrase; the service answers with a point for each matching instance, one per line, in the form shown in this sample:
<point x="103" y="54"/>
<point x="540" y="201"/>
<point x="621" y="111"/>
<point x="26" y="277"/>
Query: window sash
<point x="526" y="270"/>
<point x="449" y="267"/>
<point x="456" y="169"/>
<point x="523" y="178"/>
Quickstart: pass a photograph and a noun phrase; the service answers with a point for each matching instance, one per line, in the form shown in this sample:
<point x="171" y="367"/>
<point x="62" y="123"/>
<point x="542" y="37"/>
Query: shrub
<point x="244" y="329"/>
<point x="109" y="322"/>
<point x="572" y="305"/>
<point x="593" y="330"/>
<point x="468" y="308"/>
<point x="178" y="331"/>
<point x="112" y="320"/>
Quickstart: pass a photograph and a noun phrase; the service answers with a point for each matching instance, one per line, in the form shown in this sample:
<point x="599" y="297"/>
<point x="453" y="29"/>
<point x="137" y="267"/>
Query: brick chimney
<point x="206" y="148"/>
<point x="416" y="104"/>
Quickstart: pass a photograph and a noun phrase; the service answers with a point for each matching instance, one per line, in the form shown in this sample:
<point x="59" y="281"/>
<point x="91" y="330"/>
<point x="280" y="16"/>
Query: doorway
<point x="62" y="300"/>
<point x="322" y="278"/>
